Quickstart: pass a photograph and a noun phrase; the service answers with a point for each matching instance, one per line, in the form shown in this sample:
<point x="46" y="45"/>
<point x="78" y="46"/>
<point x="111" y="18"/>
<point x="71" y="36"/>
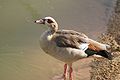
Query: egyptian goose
<point x="68" y="45"/>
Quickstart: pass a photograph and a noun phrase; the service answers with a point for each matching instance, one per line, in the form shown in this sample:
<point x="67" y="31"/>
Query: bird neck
<point x="53" y="28"/>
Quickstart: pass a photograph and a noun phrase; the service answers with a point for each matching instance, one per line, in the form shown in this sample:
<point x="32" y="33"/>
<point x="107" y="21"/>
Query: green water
<point x="20" y="55"/>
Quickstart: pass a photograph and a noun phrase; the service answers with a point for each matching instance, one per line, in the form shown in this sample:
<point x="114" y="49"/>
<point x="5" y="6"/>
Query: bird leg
<point x="70" y="72"/>
<point x="65" y="71"/>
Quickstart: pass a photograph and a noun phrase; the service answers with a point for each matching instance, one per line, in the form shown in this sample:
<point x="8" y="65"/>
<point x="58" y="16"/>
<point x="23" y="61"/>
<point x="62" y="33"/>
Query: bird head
<point x="48" y="21"/>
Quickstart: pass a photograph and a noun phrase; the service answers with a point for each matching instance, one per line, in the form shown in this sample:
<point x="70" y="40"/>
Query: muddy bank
<point x="114" y="23"/>
<point x="103" y="69"/>
<point x="106" y="70"/>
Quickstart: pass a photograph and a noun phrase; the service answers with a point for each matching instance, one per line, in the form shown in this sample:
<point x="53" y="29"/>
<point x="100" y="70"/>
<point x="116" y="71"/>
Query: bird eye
<point x="49" y="21"/>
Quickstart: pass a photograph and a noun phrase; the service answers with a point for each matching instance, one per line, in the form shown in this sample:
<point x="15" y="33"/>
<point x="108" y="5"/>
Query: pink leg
<point x="65" y="70"/>
<point x="70" y="73"/>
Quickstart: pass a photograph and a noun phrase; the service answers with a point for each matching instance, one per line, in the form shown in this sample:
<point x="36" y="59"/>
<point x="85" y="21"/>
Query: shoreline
<point x="103" y="69"/>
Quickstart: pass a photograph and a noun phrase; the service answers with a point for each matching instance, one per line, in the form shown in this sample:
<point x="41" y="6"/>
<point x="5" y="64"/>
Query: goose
<point x="69" y="46"/>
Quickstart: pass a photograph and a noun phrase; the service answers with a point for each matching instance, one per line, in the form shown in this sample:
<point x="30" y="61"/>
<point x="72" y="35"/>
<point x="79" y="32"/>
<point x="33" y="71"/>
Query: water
<point x="20" y="55"/>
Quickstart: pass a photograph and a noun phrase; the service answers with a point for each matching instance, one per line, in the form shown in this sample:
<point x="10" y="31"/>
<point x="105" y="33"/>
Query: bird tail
<point x="96" y="48"/>
<point x="105" y="54"/>
<point x="101" y="53"/>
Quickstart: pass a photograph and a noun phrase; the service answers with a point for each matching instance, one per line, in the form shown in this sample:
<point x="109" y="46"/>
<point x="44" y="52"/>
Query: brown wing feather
<point x="69" y="38"/>
<point x="93" y="47"/>
<point x="71" y="32"/>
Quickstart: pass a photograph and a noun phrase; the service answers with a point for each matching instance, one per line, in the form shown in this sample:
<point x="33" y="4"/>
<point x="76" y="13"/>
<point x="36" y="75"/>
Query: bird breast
<point x="45" y="42"/>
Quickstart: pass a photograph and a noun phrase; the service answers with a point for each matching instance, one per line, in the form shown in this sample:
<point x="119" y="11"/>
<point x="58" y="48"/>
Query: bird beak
<point x="40" y="21"/>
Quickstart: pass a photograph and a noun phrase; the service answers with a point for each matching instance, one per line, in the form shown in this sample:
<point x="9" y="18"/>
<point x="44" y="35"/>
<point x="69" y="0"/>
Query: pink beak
<point x="40" y="21"/>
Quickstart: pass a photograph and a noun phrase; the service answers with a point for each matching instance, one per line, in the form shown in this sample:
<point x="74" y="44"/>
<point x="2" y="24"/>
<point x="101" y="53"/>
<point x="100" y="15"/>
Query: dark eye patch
<point x="43" y="20"/>
<point x="49" y="21"/>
